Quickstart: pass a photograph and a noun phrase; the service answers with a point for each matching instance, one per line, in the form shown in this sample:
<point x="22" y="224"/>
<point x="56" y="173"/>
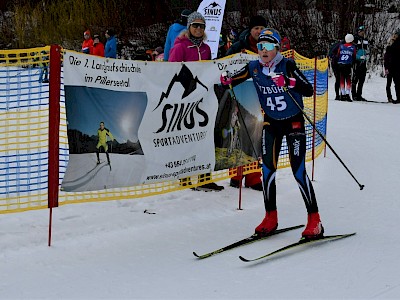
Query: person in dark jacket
<point x="280" y="85"/>
<point x="174" y="30"/>
<point x="333" y="59"/>
<point x="248" y="40"/>
<point x="249" y="37"/>
<point x="360" y="65"/>
<point x="110" y="49"/>
<point x="387" y="65"/>
<point x="392" y="63"/>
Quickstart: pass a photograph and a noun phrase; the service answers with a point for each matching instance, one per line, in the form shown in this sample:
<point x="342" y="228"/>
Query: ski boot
<point x="314" y="228"/>
<point x="269" y="224"/>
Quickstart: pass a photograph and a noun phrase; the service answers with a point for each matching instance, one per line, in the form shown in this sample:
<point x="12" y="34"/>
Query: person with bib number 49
<point x="279" y="83"/>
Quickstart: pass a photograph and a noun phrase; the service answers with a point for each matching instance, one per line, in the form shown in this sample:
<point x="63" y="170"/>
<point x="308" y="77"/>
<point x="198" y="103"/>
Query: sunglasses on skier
<point x="198" y="25"/>
<point x="266" y="46"/>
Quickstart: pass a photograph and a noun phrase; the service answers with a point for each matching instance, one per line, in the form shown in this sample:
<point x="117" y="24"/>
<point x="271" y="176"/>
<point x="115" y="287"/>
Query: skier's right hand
<point x="225" y="78"/>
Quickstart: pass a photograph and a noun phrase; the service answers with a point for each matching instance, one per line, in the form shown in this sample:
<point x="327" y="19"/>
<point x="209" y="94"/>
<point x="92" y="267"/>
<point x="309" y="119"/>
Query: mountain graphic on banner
<point x="213" y="5"/>
<point x="186" y="79"/>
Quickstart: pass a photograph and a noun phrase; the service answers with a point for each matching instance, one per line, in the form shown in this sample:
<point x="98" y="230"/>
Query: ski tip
<point x="243" y="259"/>
<point x="195" y="254"/>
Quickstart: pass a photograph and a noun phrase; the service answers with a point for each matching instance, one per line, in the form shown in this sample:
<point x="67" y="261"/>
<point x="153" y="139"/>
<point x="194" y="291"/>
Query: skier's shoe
<point x="212" y="186"/>
<point x="337" y="97"/>
<point x="314" y="228"/>
<point x="269" y="224"/>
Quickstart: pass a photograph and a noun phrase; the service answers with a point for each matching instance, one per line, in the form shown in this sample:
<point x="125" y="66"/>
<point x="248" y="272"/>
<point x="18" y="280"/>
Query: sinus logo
<point x="214" y="9"/>
<point x="182" y="110"/>
<point x="296" y="147"/>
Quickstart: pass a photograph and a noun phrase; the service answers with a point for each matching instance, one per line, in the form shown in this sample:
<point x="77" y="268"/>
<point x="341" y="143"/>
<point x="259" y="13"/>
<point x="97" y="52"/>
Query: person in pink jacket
<point x="189" y="45"/>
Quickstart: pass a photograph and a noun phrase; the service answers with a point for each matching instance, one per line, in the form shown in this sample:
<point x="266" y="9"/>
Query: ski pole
<point x="323" y="138"/>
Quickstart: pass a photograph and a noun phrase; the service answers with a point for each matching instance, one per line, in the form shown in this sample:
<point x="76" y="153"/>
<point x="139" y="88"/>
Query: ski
<point x="251" y="239"/>
<point x="303" y="241"/>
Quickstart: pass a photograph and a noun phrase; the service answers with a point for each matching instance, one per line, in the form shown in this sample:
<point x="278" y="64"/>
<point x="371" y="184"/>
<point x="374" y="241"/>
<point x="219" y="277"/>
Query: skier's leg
<point x="361" y="79"/>
<point x="98" y="153"/>
<point x="108" y="157"/>
<point x="271" y="144"/>
<point x="296" y="140"/>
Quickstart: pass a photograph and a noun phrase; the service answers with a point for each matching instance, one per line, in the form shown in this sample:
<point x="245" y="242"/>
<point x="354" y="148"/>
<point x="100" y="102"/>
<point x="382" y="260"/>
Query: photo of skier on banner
<point x="102" y="134"/>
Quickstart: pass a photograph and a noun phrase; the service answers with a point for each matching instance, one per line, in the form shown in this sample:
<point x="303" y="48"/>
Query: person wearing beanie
<point x="87" y="44"/>
<point x="158" y="54"/>
<point x="98" y="47"/>
<point x="110" y="49"/>
<point x="248" y="41"/>
<point x="346" y="56"/>
<point x="360" y="65"/>
<point x="190" y="46"/>
<point x="174" y="30"/>
<point x="249" y="37"/>
<point x="280" y="86"/>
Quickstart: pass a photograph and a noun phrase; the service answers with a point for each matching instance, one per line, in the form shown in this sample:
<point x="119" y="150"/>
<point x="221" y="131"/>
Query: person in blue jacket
<point x="174" y="30"/>
<point x="279" y="83"/>
<point x="110" y="49"/>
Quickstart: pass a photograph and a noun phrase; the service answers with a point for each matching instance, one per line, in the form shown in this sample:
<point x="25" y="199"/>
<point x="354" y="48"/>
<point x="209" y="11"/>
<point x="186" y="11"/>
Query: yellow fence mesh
<point x="24" y="123"/>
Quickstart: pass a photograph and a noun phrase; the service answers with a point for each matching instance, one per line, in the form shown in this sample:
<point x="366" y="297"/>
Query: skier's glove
<point x="282" y="80"/>
<point x="225" y="79"/>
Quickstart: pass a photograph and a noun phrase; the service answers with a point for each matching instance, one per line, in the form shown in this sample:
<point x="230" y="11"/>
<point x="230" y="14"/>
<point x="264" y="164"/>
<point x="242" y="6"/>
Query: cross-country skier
<point x="102" y="134"/>
<point x="346" y="57"/>
<point x="277" y="79"/>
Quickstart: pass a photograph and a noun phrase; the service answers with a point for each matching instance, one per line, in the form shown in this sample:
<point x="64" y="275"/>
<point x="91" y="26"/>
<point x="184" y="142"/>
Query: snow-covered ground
<point x="113" y="250"/>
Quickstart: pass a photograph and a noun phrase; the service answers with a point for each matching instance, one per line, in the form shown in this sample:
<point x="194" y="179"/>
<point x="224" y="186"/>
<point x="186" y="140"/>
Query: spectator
<point x="87" y="44"/>
<point x="190" y="46"/>
<point x="392" y="63"/>
<point x="287" y="86"/>
<point x="389" y="76"/>
<point x="249" y="37"/>
<point x="98" y="47"/>
<point x="222" y="46"/>
<point x="158" y="54"/>
<point x="346" y="56"/>
<point x="248" y="41"/>
<point x="360" y="66"/>
<point x="333" y="59"/>
<point x="174" y="30"/>
<point x="285" y="44"/>
<point x="231" y="38"/>
<point x="44" y="67"/>
<point x="111" y="44"/>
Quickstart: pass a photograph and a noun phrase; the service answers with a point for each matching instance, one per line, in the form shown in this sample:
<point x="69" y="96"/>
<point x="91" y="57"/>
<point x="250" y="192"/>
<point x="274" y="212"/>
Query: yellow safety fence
<point x="24" y="123"/>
